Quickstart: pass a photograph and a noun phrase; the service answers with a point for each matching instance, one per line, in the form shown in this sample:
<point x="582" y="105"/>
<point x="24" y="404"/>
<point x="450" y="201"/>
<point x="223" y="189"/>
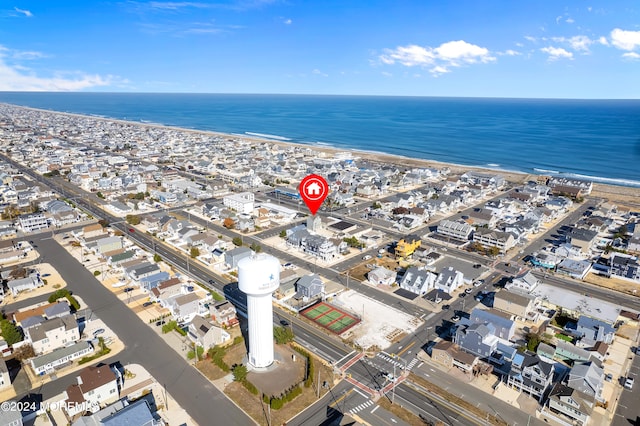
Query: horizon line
<point x="316" y="95"/>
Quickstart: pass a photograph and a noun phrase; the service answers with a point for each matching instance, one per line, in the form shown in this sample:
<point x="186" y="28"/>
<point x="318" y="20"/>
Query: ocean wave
<point x="267" y="136"/>
<point x="553" y="172"/>
<point x="493" y="165"/>
<point x="600" y="179"/>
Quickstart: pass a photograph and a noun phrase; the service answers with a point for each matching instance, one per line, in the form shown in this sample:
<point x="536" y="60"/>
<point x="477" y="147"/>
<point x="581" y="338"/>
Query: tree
<point x="400" y="210"/>
<point x="376" y="206"/>
<point x="104" y="174"/>
<point x="10" y="333"/>
<point x="255" y="247"/>
<point x="237" y="241"/>
<point x="283" y="234"/>
<point x="493" y="251"/>
<point x="353" y="242"/>
<point x="103" y="222"/>
<point x="282" y="335"/>
<point x="533" y="340"/>
<point x="24" y="352"/>
<point x="100" y="195"/>
<point x="195" y="252"/>
<point x="157" y="258"/>
<point x="240" y="372"/>
<point x="133" y="219"/>
<point x="229" y="223"/>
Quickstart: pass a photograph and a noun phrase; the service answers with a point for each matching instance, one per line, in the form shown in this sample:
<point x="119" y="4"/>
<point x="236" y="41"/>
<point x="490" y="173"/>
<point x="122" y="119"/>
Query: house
<point x="241" y="203"/>
<point x="5" y="379"/>
<point x="529" y="374"/>
<point x="58" y="310"/>
<point x="575" y="268"/>
<point x="381" y="276"/>
<point x="47" y="363"/>
<point x="475" y="338"/>
<point x="449" y="280"/>
<point x="167" y="289"/>
<point x="232" y="257"/>
<point x="585" y="239"/>
<point x="625" y="266"/>
<point x="184" y="307"/>
<point x="96" y="387"/>
<point x="319" y="246"/>
<point x="567" y="351"/>
<point x="406" y="246"/>
<point x="587" y="378"/>
<point x="449" y="355"/>
<point x="593" y="330"/>
<point x="11" y="417"/>
<point x="143" y="270"/>
<point x="119" y="413"/>
<point x="223" y="313"/>
<point x="154" y="280"/>
<point x="92" y="230"/>
<point x="458" y="230"/>
<point x="121" y="257"/>
<point x="108" y="244"/>
<point x="24" y="284"/>
<point x="490" y="238"/>
<point x="526" y="282"/>
<point x="33" y="222"/>
<point x="504" y="327"/>
<point x="203" y="332"/>
<point x="569" y="405"/>
<point x="309" y="286"/>
<point x="52" y="334"/>
<point x="520" y="305"/>
<point x="418" y="280"/>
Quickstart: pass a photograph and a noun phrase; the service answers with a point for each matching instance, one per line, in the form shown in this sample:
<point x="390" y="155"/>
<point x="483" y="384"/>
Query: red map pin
<point x="313" y="190"/>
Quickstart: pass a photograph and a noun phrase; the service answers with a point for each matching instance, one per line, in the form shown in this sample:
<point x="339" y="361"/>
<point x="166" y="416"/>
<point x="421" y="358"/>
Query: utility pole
<point x="318" y="383"/>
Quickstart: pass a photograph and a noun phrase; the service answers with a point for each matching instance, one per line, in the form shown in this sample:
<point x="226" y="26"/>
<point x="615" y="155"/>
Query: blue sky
<point x="547" y="48"/>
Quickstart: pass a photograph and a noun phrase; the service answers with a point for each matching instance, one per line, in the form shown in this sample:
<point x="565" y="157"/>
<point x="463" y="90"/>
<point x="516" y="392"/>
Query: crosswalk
<point x="400" y="365"/>
<point x="412" y="364"/>
<point x="361" y="407"/>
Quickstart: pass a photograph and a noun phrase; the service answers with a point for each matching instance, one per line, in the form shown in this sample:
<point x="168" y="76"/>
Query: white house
<point x="449" y="280"/>
<point x="96" y="387"/>
<point x="242" y="202"/>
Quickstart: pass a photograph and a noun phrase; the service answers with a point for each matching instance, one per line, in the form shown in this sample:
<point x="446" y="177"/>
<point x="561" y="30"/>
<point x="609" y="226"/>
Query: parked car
<point x="367" y="257"/>
<point x="98" y="332"/>
<point x="468" y="290"/>
<point x="145" y="304"/>
<point x="128" y="289"/>
<point x="628" y="383"/>
<point x="455" y="318"/>
<point x="445" y="307"/>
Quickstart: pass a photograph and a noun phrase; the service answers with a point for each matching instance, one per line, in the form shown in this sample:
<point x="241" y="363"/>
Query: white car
<point x="367" y="257"/>
<point x="629" y="383"/>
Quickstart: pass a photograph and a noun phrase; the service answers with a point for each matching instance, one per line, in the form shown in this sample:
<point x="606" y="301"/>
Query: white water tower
<point x="258" y="278"/>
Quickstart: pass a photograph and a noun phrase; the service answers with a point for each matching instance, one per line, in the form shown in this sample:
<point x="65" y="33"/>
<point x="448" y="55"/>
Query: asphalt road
<point x="628" y="410"/>
<point x="189" y="388"/>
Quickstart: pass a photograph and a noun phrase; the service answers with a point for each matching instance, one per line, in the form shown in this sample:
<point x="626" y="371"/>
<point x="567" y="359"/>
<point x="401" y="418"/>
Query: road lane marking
<point x="373" y="411"/>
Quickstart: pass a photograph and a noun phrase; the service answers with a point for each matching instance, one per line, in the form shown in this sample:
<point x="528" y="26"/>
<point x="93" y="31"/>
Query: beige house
<point x="518" y="304"/>
<point x="92" y="230"/>
<point x="449" y="355"/>
<point x="52" y="334"/>
<point x="205" y="333"/>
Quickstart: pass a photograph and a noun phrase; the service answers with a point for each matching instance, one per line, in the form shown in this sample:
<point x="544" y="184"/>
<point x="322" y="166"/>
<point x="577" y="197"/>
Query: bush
<point x="157" y="258"/>
<point x="10" y="333"/>
<point x="237" y="241"/>
<point x="96" y="273"/>
<point x="282" y="335"/>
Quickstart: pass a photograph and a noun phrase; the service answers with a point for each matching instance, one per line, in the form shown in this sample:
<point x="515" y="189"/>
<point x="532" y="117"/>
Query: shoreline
<point x="627" y="195"/>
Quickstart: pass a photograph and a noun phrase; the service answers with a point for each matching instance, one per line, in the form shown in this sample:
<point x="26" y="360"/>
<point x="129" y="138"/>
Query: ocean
<point x="593" y="139"/>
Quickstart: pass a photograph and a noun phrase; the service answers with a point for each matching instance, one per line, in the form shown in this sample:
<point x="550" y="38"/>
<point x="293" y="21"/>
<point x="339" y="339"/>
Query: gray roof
<point x="309" y="280"/>
<point x="55" y="310"/>
<point x="31" y="321"/>
<point x="60" y="353"/>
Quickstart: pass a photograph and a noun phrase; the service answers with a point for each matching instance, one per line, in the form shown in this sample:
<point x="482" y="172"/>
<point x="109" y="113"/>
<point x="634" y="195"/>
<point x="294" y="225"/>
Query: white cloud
<point x="439" y="70"/>
<point x="556" y="53"/>
<point x="386" y="74"/>
<point x="569" y="21"/>
<point x="603" y="41"/>
<point x="175" y="5"/>
<point x="408" y="56"/>
<point x="288" y="21"/>
<point x="625" y="40"/>
<point x="14" y="77"/>
<point x="631" y="56"/>
<point x="26" y="13"/>
<point x="509" y="52"/>
<point x="530" y="38"/>
<point x="579" y="43"/>
<point x="450" y="54"/>
<point x="318" y="72"/>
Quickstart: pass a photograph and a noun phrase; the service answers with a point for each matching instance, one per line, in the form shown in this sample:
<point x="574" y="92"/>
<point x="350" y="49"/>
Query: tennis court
<point x="330" y="317"/>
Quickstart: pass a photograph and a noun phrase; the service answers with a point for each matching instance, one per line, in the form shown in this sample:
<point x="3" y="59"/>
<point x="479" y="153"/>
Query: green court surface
<point x="334" y="315"/>
<point x="330" y="317"/>
<point x="341" y="324"/>
<point x="317" y="311"/>
<point x="324" y="320"/>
